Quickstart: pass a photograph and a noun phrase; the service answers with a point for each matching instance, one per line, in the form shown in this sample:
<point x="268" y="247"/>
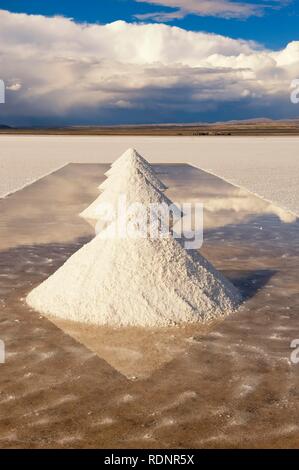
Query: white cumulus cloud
<point x="131" y="72"/>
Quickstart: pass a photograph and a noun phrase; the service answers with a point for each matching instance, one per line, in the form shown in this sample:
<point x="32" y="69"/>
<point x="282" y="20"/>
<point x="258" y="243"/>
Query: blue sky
<point x="120" y="61"/>
<point x="274" y="28"/>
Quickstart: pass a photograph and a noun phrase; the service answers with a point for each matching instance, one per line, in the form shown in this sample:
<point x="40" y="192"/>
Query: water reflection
<point x="224" y="204"/>
<point x="238" y="368"/>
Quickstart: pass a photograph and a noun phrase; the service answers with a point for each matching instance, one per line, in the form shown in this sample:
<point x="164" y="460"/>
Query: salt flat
<point x="230" y="384"/>
<point x="268" y="166"/>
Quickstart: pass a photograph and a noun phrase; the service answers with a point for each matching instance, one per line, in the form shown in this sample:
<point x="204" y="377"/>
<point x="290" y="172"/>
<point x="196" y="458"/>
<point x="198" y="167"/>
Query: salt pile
<point x="131" y="159"/>
<point x="134" y="282"/>
<point x="132" y="183"/>
<point x="129" y="156"/>
<point x="135" y="189"/>
<point x="122" y="281"/>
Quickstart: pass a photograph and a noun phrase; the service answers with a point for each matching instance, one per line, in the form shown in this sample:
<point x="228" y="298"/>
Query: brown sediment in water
<point x="229" y="385"/>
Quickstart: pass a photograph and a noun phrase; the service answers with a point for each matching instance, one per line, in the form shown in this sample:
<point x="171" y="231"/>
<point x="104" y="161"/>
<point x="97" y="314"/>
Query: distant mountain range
<point x="261" y="126"/>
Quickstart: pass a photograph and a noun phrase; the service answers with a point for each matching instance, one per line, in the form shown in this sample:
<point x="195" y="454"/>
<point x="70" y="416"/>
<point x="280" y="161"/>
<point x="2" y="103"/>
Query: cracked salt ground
<point x="266" y="416"/>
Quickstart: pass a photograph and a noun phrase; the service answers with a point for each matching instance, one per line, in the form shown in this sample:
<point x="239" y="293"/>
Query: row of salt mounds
<point x="129" y="179"/>
<point x="132" y="156"/>
<point x="132" y="159"/>
<point x="147" y="281"/>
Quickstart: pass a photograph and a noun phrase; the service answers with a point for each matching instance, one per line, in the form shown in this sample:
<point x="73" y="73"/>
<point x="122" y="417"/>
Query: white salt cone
<point x="130" y="161"/>
<point x="134" y="282"/>
<point x="136" y="189"/>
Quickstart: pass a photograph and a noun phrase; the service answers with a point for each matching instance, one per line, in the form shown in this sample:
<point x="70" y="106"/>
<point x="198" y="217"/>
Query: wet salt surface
<point x="232" y="385"/>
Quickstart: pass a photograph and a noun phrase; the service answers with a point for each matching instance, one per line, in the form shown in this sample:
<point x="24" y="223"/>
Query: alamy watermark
<point x="121" y="219"/>
<point x="2" y="351"/>
<point x="295" y="354"/>
<point x="2" y="92"/>
<point x="295" y="92"/>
